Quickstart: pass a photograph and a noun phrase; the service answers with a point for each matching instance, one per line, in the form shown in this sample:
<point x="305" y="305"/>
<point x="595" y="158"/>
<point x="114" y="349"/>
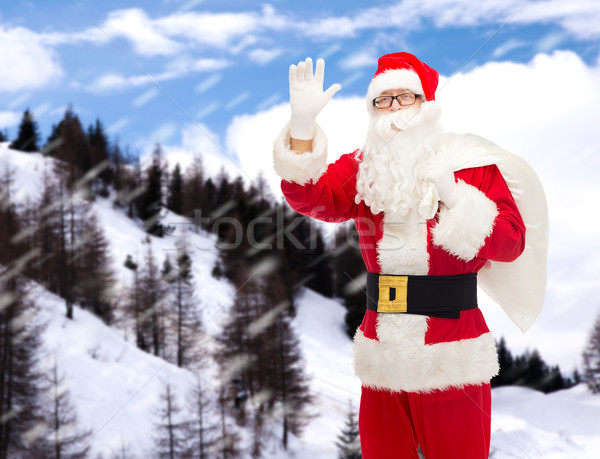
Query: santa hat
<point x="402" y="71"/>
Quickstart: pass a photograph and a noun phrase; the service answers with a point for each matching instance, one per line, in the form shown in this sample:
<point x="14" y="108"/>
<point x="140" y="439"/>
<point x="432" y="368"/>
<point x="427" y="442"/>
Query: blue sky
<point x="147" y="67"/>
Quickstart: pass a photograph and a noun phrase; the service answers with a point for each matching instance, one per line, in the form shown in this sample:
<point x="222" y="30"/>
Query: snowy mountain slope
<point x="530" y="424"/>
<point x="115" y="386"/>
<point x="28" y="171"/>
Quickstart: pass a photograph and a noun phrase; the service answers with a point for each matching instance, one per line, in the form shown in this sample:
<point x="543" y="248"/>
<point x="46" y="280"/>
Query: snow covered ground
<point x="115" y="386"/>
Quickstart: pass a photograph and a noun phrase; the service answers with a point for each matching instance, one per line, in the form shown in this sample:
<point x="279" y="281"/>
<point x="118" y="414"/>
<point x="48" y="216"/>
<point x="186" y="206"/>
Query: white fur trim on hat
<point x="393" y="79"/>
<point x="401" y="361"/>
<point x="300" y="168"/>
<point x="462" y="230"/>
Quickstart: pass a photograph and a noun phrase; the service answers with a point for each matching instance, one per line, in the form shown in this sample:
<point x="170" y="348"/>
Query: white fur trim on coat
<point x="400" y="360"/>
<point x="300" y="168"/>
<point x="402" y="248"/>
<point x="462" y="230"/>
<point x="393" y="79"/>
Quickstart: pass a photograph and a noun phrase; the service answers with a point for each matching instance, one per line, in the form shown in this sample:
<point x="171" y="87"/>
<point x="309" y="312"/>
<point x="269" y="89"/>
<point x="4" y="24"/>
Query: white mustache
<point x="401" y="120"/>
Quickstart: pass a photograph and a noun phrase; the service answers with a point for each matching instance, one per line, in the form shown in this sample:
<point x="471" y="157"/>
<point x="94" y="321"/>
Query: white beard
<point x="397" y="147"/>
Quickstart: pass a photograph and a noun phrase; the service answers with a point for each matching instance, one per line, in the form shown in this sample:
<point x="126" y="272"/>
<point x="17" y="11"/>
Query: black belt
<point x="436" y="296"/>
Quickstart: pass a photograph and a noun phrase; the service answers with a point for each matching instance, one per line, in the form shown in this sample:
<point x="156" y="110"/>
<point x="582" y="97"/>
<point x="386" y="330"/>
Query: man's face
<point x="395" y="104"/>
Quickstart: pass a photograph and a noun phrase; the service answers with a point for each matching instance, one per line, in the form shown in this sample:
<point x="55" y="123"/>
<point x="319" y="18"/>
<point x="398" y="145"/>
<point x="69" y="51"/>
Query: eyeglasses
<point x="408" y="98"/>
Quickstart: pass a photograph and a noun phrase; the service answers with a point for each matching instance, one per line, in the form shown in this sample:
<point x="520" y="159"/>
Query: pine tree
<point x="73" y="151"/>
<point x="227" y="447"/>
<point x="529" y="370"/>
<point x="195" y="197"/>
<point x="21" y="398"/>
<point x="10" y="220"/>
<point x="53" y="141"/>
<point x="28" y="136"/>
<point x="170" y="440"/>
<point x="42" y="218"/>
<point x="20" y="383"/>
<point x="237" y="345"/>
<point x="349" y="440"/>
<point x="210" y="191"/>
<point x="591" y="359"/>
<point x="262" y="191"/>
<point x="118" y="164"/>
<point x="126" y="179"/>
<point x="187" y="322"/>
<point x="537" y="370"/>
<point x="200" y="430"/>
<point x="99" y="157"/>
<point x="95" y="276"/>
<point x="152" y="292"/>
<point x="3" y="136"/>
<point x="150" y="201"/>
<point x="290" y="385"/>
<point x="506" y="374"/>
<point x="58" y="220"/>
<point x="71" y="215"/>
<point x="175" y="199"/>
<point x="134" y="305"/>
<point x="555" y="381"/>
<point x="67" y="440"/>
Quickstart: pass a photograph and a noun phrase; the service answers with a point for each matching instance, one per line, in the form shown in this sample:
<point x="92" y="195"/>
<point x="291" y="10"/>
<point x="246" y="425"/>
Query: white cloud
<point x="115" y="127"/>
<point x="207" y="110"/>
<point x="135" y="25"/>
<point x="176" y="69"/>
<point x="208" y="83"/>
<point x="108" y="82"/>
<point x="580" y="18"/>
<point x="27" y="63"/>
<point x="508" y="46"/>
<point x="264" y="56"/>
<point x="173" y="33"/>
<point x="9" y="119"/>
<point x="359" y="59"/>
<point x="237" y="99"/>
<point x="145" y="97"/>
<point x="19" y="100"/>
<point x="550" y="42"/>
<point x="164" y="132"/>
<point x="547" y="112"/>
<point x="268" y="102"/>
<point x="216" y="29"/>
<point x="41" y="109"/>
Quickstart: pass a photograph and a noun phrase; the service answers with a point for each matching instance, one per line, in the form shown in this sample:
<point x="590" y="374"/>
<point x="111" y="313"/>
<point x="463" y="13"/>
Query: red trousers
<point x="449" y="424"/>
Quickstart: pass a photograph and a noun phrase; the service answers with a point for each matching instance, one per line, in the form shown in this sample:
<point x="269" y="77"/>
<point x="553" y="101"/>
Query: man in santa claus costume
<point x="436" y="213"/>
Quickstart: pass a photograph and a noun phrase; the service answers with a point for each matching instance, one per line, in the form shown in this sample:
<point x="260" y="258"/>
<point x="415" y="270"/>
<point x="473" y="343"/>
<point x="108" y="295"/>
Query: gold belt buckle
<point x="392" y="300"/>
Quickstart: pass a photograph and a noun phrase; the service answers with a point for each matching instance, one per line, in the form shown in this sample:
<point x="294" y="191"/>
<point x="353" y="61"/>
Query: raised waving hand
<point x="307" y="97"/>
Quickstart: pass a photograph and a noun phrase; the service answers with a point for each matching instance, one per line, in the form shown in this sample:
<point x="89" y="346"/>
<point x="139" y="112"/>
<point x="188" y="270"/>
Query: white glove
<point x="441" y="174"/>
<point x="307" y="98"/>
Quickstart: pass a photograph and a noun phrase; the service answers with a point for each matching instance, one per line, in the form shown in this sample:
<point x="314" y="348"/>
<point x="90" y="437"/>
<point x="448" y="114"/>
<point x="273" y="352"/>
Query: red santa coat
<point x="403" y="352"/>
